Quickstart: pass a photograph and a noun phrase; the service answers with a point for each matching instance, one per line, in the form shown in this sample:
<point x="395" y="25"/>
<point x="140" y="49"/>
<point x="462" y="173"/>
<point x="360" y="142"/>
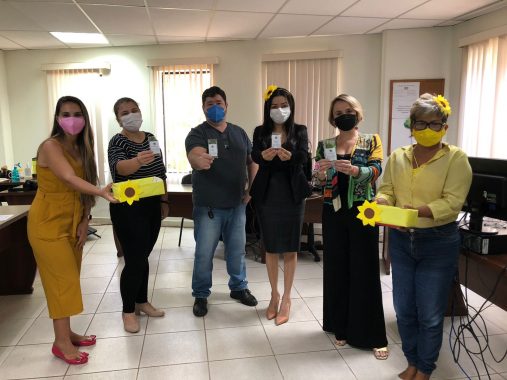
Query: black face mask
<point x="345" y="122"/>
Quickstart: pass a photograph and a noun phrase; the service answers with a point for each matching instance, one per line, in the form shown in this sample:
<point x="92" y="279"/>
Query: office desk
<point x="7" y="184"/>
<point x="180" y="200"/>
<point x="482" y="273"/>
<point x="14" y="198"/>
<point x="17" y="268"/>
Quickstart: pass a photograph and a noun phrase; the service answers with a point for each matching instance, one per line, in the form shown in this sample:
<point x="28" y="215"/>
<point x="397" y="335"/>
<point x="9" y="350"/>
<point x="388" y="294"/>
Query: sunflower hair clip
<point x="443" y="105"/>
<point x="269" y="91"/>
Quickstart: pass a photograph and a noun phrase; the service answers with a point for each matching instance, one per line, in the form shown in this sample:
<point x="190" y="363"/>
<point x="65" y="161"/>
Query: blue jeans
<point x="230" y="224"/>
<point x="424" y="262"/>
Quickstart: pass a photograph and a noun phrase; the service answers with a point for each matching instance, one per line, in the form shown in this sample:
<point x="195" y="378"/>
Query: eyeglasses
<point x="420" y="125"/>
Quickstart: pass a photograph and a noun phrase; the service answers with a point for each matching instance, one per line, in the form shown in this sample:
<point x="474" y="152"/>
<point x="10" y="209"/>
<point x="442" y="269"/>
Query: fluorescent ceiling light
<point x="80" y="38"/>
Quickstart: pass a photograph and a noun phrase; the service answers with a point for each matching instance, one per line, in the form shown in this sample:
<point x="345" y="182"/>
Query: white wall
<point x="414" y="54"/>
<point x="6" y="154"/>
<point x="239" y="73"/>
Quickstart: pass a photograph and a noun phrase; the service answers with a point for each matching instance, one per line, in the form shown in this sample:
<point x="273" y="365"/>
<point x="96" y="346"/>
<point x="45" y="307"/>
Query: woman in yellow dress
<point x="58" y="220"/>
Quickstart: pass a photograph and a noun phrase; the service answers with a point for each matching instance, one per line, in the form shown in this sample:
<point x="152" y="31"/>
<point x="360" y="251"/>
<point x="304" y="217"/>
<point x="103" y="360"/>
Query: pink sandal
<point x="83" y="356"/>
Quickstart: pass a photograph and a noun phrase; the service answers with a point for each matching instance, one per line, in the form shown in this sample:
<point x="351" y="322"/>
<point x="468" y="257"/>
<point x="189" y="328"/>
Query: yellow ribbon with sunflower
<point x="269" y="91"/>
<point x="443" y="104"/>
<point x="132" y="190"/>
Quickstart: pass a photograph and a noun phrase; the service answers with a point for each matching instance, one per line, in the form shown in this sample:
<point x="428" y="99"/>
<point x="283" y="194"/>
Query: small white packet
<point x="276" y="140"/>
<point x="213" y="147"/>
<point x="330" y="151"/>
<point x="154" y="145"/>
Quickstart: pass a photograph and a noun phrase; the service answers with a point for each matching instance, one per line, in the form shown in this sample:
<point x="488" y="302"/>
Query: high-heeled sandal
<point x="130" y="323"/>
<point x="148" y="309"/>
<point x="90" y="341"/>
<point x="270" y="314"/>
<point x="83" y="356"/>
<point x="381" y="353"/>
<point x="281" y="319"/>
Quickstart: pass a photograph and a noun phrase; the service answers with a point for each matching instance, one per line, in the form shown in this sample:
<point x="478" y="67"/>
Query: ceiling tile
<point x="445" y="9"/>
<point x="6" y="44"/>
<point x="384" y="8"/>
<point x="293" y="25"/>
<point x="181" y="4"/>
<point x="12" y="19"/>
<point x="271" y="6"/>
<point x="57" y="17"/>
<point x="173" y="39"/>
<point x="190" y="23"/>
<point x="137" y="3"/>
<point x="33" y="40"/>
<point x="317" y="7"/>
<point x="350" y="25"/>
<point x="130" y="40"/>
<point x="406" y="24"/>
<point x="237" y="24"/>
<point x="449" y="22"/>
<point x="119" y="20"/>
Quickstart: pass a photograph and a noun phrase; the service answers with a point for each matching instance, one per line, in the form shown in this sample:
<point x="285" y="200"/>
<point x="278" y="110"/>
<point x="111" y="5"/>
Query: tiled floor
<point x="232" y="341"/>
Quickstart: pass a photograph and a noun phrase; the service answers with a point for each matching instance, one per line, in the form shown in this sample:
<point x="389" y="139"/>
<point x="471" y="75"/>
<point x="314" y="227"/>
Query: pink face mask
<point x="72" y="125"/>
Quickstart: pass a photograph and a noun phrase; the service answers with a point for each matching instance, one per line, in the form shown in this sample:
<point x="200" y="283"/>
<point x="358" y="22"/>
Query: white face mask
<point x="132" y="121"/>
<point x="279" y="115"/>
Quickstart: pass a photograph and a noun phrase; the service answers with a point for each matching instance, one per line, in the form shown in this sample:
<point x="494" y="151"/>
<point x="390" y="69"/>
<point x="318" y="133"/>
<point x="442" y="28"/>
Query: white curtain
<point x="314" y="83"/>
<point x="84" y="84"/>
<point x="176" y="94"/>
<point x="483" y="110"/>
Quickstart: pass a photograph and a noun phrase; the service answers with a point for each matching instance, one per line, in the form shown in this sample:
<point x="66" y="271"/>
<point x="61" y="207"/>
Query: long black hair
<point x="268" y="125"/>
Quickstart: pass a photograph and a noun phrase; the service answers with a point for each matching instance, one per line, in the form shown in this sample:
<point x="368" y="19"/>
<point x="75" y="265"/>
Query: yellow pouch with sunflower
<point x="132" y="190"/>
<point x="374" y="214"/>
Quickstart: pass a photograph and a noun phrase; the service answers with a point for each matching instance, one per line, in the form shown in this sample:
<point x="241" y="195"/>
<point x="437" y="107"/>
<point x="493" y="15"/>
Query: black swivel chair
<point x="186" y="180"/>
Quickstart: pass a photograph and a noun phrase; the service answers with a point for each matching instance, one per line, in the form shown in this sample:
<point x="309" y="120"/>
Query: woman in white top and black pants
<point x="137" y="225"/>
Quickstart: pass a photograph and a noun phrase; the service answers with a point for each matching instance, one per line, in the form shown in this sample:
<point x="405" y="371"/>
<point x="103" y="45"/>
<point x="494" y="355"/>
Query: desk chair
<point x="186" y="180"/>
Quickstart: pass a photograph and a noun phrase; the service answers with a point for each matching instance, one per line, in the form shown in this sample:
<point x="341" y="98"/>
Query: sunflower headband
<point x="269" y="91"/>
<point x="443" y="105"/>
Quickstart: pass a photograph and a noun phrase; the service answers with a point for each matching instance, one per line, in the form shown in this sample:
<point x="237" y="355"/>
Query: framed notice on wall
<point x="401" y="96"/>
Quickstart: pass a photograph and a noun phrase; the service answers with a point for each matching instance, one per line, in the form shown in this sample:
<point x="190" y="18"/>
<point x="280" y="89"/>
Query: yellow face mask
<point x="428" y="137"/>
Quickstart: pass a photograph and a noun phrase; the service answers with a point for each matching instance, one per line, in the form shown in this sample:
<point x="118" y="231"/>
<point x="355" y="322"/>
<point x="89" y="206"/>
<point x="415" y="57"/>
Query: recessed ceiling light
<point x="80" y="38"/>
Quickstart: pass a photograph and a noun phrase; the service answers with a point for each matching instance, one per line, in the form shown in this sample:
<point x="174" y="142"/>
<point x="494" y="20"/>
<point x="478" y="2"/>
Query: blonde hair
<point x="424" y="106"/>
<point x="353" y="102"/>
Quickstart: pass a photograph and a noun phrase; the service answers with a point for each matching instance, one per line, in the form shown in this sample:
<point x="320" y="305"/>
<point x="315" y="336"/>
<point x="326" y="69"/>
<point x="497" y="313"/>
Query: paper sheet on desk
<point x="3" y="218"/>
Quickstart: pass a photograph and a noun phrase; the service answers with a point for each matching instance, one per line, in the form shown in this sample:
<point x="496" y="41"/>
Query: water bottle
<point x="34" y="167"/>
<point x="28" y="171"/>
<point x="15" y="174"/>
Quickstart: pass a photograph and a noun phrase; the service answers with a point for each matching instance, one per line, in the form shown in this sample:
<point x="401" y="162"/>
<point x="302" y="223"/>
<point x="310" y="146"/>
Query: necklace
<point x="415" y="160"/>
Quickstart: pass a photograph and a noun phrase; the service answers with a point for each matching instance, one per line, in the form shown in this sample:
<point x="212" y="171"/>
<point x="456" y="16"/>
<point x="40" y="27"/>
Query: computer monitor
<point x="488" y="193"/>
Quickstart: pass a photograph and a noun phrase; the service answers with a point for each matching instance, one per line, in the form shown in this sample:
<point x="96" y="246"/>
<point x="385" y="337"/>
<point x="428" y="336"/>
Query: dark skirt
<point x="353" y="308"/>
<point x="280" y="218"/>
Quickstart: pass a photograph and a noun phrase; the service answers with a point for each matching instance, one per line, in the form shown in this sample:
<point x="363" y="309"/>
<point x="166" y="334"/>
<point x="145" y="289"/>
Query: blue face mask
<point x="215" y="113"/>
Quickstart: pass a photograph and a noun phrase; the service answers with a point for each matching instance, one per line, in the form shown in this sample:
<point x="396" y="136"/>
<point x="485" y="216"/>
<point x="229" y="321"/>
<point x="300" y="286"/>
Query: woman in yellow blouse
<point x="433" y="178"/>
<point x="58" y="220"/>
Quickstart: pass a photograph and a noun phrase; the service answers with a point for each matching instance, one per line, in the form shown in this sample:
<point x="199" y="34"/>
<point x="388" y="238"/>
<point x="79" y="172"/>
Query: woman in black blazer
<point x="279" y="190"/>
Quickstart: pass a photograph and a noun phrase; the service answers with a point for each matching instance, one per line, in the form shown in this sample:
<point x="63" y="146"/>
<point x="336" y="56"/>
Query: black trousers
<point x="353" y="308"/>
<point x="137" y="227"/>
